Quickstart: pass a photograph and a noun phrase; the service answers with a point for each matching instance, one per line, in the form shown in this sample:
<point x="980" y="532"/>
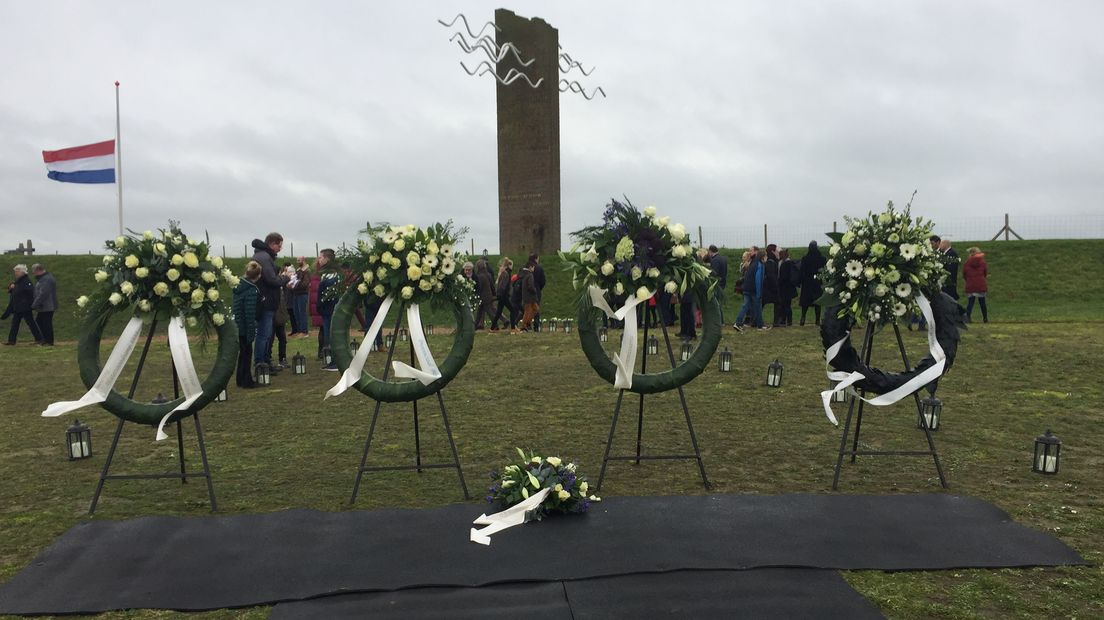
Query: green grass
<point x="285" y="447"/>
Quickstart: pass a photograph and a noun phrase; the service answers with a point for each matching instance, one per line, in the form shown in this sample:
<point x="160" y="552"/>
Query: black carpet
<point x="200" y="563"/>
<point x="759" y="593"/>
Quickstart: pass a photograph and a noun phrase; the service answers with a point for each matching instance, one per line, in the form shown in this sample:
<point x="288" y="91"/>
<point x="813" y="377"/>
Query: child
<point x="247" y="298"/>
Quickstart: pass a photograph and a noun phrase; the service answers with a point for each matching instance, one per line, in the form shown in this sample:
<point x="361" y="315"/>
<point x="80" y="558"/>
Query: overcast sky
<point x="311" y="118"/>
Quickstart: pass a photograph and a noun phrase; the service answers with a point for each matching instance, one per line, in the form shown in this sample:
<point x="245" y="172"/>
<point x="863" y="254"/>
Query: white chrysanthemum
<point x="854" y="268"/>
<point x="447" y="264"/>
<point x="899" y="309"/>
<point x="880" y="290"/>
<point x="892" y="276"/>
<point x="430" y="260"/>
<point x="860" y="249"/>
<point x="908" y="251"/>
<point x="389" y="238"/>
<point x="904" y="289"/>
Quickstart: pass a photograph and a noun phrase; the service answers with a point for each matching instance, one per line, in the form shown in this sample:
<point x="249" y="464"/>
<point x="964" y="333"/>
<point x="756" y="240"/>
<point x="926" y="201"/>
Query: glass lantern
<point x="403" y="334"/>
<point x="1048" y="452"/>
<point x="840" y="396"/>
<point x="222" y="396"/>
<point x="298" y="364"/>
<point x="653" y="345"/>
<point x="725" y="361"/>
<point x="930" y="410"/>
<point x="78" y="441"/>
<point x="353" y="346"/>
<point x="327" y="355"/>
<point x="567" y="325"/>
<point x="389" y="341"/>
<point x="264" y="377"/>
<point x="685" y="350"/>
<point x="603" y="334"/>
<point x="553" y="325"/>
<point x="429" y="329"/>
<point x="774" y="374"/>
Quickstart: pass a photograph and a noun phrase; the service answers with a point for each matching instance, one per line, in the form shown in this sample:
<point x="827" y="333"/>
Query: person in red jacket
<point x="976" y="272"/>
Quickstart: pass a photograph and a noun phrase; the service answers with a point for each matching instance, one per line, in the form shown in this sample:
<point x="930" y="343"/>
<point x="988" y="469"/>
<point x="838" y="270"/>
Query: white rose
<point x="100" y="275"/>
<point x="413" y="272"/>
<point x="126" y="288"/>
<point x="218" y="319"/>
<point x="115" y="299"/>
<point x="217" y="262"/>
<point x="233" y="280"/>
<point x="678" y="231"/>
<point x="431" y="247"/>
<point x="643" y="293"/>
<point x="172" y="275"/>
<point x="177" y="260"/>
<point x="679" y="251"/>
<point x="653" y="272"/>
<point x="636" y="273"/>
<point x="664" y="221"/>
<point x="368" y="277"/>
<point x="649" y="211"/>
<point x="147" y="235"/>
<point x="207" y="276"/>
<point x="82" y="301"/>
<point x="852" y="284"/>
<point x="413" y="259"/>
<point x="107" y="259"/>
<point x="120" y="240"/>
<point x="141" y="272"/>
<point x="198" y="296"/>
<point x="881" y="290"/>
<point x="395" y="263"/>
<point x="185" y="286"/>
<point x="399" y="245"/>
<point x="144" y="305"/>
<point x="212" y="294"/>
<point x="192" y="322"/>
<point x="131" y="261"/>
<point x="607" y="268"/>
<point x="362" y="288"/>
<point x="378" y="290"/>
<point x="618" y="289"/>
<point x="869" y="273"/>
<point x="407" y="292"/>
<point x="670" y="287"/>
<point x="426" y="285"/>
<point x="832" y="251"/>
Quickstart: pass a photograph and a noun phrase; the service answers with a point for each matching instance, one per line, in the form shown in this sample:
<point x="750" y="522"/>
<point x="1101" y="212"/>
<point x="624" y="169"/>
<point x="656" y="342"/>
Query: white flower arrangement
<point x="875" y="268"/>
<point x="167" y="274"/>
<point x="411" y="263"/>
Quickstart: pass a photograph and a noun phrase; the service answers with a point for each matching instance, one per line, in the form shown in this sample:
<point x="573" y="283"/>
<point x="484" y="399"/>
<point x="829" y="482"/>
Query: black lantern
<point x="78" y="441"/>
<point x="840" y="396"/>
<point x="222" y="396"/>
<point x="567" y="325"/>
<point x="685" y="350"/>
<point x="353" y="346"/>
<point x="429" y="329"/>
<point x="774" y="374"/>
<point x="603" y="334"/>
<point x="389" y="341"/>
<point x="553" y="325"/>
<point x="653" y="345"/>
<point x="264" y="377"/>
<point x="403" y="334"/>
<point x="1048" y="450"/>
<point x="930" y="410"/>
<point x="725" y="363"/>
<point x="298" y="364"/>
<point x="327" y="355"/>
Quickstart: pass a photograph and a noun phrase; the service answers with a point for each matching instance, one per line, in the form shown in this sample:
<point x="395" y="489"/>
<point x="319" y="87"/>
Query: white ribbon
<point x="108" y="375"/>
<point x="626" y="359"/>
<point x="514" y="515"/>
<point x="185" y="370"/>
<point x="847" y="379"/>
<point x="356" y="367"/>
<point x="429" y="371"/>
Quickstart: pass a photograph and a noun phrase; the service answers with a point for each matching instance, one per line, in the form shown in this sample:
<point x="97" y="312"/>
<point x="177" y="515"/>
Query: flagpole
<point x="118" y="159"/>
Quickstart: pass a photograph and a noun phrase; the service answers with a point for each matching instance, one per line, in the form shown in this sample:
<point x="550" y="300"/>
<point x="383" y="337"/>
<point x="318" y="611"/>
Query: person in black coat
<point x="718" y="265"/>
<point x="539" y="281"/>
<point x="21" y="294"/>
<point x="789" y="273"/>
<point x="950" y="263"/>
<point x="770" y="281"/>
<point x="811" y="291"/>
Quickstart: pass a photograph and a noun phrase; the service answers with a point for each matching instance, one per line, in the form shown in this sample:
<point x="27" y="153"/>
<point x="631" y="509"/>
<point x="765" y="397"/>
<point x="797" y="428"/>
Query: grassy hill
<point x="1049" y="281"/>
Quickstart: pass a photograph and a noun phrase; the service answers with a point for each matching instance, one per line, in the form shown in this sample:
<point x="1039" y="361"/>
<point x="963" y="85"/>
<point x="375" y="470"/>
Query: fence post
<point x="293" y="248"/>
<point x="701" y="243"/>
<point x="316" y="248"/>
<point x="764" y="235"/>
<point x="833" y="226"/>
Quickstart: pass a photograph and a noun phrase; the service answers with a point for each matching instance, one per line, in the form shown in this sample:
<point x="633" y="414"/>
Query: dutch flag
<point x="91" y="163"/>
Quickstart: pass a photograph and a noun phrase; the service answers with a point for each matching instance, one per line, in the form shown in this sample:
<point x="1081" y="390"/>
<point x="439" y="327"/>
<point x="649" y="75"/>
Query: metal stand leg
<point x="868" y="341"/>
<point x="418" y="465"/>
<point x="606" y="458"/>
<point x="184" y="474"/>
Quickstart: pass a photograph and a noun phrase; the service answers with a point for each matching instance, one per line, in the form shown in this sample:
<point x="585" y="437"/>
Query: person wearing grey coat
<point x="45" y="302"/>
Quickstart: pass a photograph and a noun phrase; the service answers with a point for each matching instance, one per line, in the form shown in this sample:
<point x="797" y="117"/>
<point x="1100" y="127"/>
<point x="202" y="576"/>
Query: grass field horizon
<point x="1035" y="367"/>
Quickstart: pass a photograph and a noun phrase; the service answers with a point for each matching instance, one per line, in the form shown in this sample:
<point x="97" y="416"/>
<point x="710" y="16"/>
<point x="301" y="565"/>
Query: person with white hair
<point x="20" y="297"/>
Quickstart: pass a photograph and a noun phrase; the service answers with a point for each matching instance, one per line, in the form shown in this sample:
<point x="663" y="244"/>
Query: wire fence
<point x="956" y="229"/>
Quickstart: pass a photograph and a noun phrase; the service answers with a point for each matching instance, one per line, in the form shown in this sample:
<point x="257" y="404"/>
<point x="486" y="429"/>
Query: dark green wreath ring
<point x="88" y="360"/>
<point x="408" y="389"/>
<point x="652" y="383"/>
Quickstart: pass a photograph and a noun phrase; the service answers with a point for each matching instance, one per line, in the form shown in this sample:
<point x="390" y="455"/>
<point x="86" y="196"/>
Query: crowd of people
<point x="272" y="295"/>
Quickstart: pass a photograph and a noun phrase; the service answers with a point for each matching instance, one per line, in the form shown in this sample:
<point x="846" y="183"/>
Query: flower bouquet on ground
<point x="567" y="487"/>
<point x="415" y="265"/>
<point x="636" y="252"/>
<point x="163" y="274"/>
<point x="877" y="267"/>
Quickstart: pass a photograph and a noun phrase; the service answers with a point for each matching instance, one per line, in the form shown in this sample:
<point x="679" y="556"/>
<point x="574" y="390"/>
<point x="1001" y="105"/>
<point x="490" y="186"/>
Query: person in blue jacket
<point x="752" y="286"/>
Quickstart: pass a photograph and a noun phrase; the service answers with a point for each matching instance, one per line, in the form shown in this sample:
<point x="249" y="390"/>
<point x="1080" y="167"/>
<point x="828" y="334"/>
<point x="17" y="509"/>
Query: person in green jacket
<point x="247" y="300"/>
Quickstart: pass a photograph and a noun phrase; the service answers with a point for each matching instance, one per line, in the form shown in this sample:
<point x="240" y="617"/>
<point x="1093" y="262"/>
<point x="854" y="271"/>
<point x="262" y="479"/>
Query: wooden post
<point x="316" y="248"/>
<point x="764" y="235"/>
<point x="701" y="243"/>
